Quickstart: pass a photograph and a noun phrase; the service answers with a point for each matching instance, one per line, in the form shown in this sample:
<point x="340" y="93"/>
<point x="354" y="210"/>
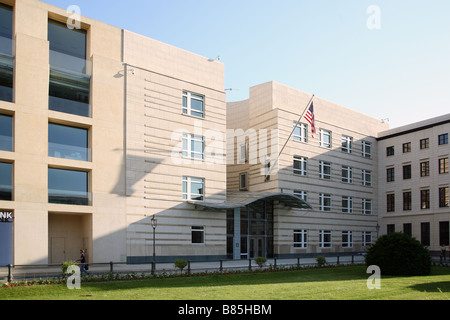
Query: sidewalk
<point x="43" y="272"/>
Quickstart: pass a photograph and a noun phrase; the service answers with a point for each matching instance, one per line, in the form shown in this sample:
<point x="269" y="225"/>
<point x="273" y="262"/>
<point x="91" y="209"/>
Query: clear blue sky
<point x="400" y="72"/>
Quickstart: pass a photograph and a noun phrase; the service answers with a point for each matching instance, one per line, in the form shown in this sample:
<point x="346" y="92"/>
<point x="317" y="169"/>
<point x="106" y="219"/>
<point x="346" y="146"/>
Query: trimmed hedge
<point x="399" y="254"/>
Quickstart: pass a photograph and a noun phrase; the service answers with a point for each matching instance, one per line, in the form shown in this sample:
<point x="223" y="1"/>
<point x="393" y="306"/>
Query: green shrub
<point x="66" y="264"/>
<point x="321" y="261"/>
<point x="260" y="261"/>
<point x="180" y="264"/>
<point x="399" y="254"/>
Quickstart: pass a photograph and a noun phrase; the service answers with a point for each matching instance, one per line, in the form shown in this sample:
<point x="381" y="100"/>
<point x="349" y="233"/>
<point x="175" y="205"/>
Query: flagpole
<point x="285" y="144"/>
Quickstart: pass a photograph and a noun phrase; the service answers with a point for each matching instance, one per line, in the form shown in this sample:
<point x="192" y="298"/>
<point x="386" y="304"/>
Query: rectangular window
<point x="325" y="170"/>
<point x="390" y="151"/>
<point x="444" y="233"/>
<point x="347" y="204"/>
<point x="325" y="202"/>
<point x="425" y="143"/>
<point x="302" y="194"/>
<point x="6" y="132"/>
<point x="347" y="239"/>
<point x="367" y="178"/>
<point x="407" y="147"/>
<point x="325" y="238"/>
<point x="443" y="165"/>
<point x="325" y="138"/>
<point x="68" y="142"/>
<point x="300" y="238"/>
<point x="390" y="228"/>
<point x="407" y="201"/>
<point x="193" y="104"/>
<point x="198" y="234"/>
<point x="390" y="174"/>
<point x="300" y="165"/>
<point x="367" y="206"/>
<point x="366" y="238"/>
<point x="70" y="80"/>
<point x="193" y="188"/>
<point x="347" y="144"/>
<point x="68" y="187"/>
<point x="300" y="132"/>
<point x="443" y="139"/>
<point x="6" y="181"/>
<point x="425" y="199"/>
<point x="407" y="172"/>
<point x="193" y="146"/>
<point x="390" y="202"/>
<point x="6" y="54"/>
<point x="243" y="181"/>
<point x="443" y="197"/>
<point x="425" y="169"/>
<point x="407" y="229"/>
<point x="347" y="174"/>
<point x="425" y="233"/>
<point x="366" y="149"/>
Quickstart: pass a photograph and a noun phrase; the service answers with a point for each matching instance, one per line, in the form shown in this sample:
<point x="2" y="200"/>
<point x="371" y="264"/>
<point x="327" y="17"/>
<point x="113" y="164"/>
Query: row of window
<point x="423" y="144"/>
<point x="424" y="169"/>
<point x="325" y="236"/>
<point x="325" y="140"/>
<point x="425" y="199"/>
<point x="425" y="232"/>
<point x="300" y="167"/>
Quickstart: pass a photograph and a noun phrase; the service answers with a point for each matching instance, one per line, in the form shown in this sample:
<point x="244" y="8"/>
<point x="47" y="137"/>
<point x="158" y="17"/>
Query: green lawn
<point x="344" y="283"/>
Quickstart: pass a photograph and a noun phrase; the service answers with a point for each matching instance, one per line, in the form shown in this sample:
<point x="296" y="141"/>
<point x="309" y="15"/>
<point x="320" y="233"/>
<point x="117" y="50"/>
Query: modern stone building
<point x="120" y="144"/>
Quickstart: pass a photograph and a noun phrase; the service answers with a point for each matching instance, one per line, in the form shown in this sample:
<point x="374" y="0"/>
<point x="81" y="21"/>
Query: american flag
<point x="311" y="119"/>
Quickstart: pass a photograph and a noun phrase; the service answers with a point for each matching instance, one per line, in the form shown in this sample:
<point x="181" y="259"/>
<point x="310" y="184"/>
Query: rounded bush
<point x="399" y="254"/>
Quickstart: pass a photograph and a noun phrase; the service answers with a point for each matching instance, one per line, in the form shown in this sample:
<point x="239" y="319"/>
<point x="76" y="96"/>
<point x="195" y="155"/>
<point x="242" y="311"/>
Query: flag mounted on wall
<point x="310" y="117"/>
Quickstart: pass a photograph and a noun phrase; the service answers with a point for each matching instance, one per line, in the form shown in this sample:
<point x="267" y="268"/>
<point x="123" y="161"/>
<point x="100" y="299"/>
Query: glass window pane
<point x="68" y="142"/>
<point x="6" y="181"/>
<point x="68" y="187"/>
<point x="6" y="133"/>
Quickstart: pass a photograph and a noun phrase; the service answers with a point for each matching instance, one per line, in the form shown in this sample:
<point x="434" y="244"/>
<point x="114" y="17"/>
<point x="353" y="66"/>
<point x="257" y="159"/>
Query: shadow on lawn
<point x="442" y="286"/>
<point x="251" y="278"/>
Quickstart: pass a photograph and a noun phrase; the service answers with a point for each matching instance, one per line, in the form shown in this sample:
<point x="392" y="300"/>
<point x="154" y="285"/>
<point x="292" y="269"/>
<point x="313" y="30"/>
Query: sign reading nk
<point x="6" y="216"/>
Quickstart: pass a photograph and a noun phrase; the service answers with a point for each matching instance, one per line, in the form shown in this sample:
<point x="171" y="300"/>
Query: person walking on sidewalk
<point x="82" y="260"/>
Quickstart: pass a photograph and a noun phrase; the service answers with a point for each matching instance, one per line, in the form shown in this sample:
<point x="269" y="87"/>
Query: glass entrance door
<point x="257" y="247"/>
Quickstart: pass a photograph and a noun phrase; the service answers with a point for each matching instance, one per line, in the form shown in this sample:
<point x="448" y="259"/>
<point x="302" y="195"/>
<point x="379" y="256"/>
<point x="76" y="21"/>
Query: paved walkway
<point x="44" y="272"/>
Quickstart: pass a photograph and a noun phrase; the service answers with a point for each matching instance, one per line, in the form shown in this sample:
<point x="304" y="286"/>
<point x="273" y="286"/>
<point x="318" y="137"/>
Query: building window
<point x="443" y="139"/>
<point x="193" y="104"/>
<point x="300" y="238"/>
<point x="407" y="229"/>
<point x="424" y="143"/>
<point x="6" y="132"/>
<point x="406" y="172"/>
<point x="425" y="169"/>
<point x="367" y="178"/>
<point x="390" y="151"/>
<point x="366" y="238"/>
<point x="68" y="142"/>
<point x="325" y="138"/>
<point x="243" y="155"/>
<point x="366" y="149"/>
<point x="301" y="194"/>
<point x="325" y="170"/>
<point x="300" y="165"/>
<point x="347" y="144"/>
<point x="68" y="187"/>
<point x="6" y="54"/>
<point x="193" y="188"/>
<point x="300" y="132"/>
<point x="347" y="204"/>
<point x="325" y="238"/>
<point x="390" y="228"/>
<point x="444" y="233"/>
<point x="243" y="181"/>
<point x="425" y="233"/>
<point x="390" y="202"/>
<point x="443" y="197"/>
<point x="347" y="174"/>
<point x="347" y="239"/>
<point x="6" y="181"/>
<point x="325" y="202"/>
<point x="407" y="201"/>
<point x="407" y="147"/>
<point x="443" y="165"/>
<point x="425" y="199"/>
<point x="198" y="234"/>
<point x="390" y="174"/>
<point x="70" y="80"/>
<point x="193" y="146"/>
<point x="367" y="206"/>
